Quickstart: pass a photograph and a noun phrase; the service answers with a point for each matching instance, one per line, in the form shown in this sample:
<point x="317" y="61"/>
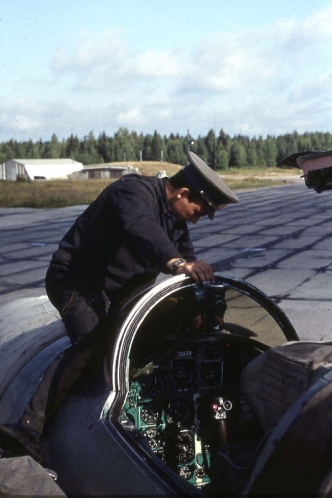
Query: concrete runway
<point x="278" y="239"/>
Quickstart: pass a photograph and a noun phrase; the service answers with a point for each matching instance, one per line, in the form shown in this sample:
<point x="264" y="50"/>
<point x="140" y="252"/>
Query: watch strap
<point x="178" y="263"/>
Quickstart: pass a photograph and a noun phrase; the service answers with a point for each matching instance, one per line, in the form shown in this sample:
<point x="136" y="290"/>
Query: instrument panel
<point x="185" y="399"/>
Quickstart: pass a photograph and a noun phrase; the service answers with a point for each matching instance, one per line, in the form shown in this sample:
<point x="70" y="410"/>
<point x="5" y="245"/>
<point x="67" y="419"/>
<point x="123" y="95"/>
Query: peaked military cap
<point x="208" y="184"/>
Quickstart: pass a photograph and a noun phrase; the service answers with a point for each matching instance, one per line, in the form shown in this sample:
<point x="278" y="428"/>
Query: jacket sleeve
<point x="183" y="243"/>
<point x="137" y="209"/>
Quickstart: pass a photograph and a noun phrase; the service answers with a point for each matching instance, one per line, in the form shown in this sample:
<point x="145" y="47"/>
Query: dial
<point x="185" y="472"/>
<point x="182" y="374"/>
<point x="184" y="447"/>
<point x="155" y="386"/>
<point x="151" y="432"/>
<point x="200" y="472"/>
<point x="180" y="412"/>
<point x="149" y="414"/>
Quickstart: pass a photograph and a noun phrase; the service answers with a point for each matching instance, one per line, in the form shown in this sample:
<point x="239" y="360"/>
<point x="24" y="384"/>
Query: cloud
<point x="23" y="122"/>
<point x="34" y="118"/>
<point x="223" y="63"/>
<point x="226" y="63"/>
<point x="311" y="91"/>
<point x="133" y="116"/>
<point x="255" y="81"/>
<point x="24" y="115"/>
<point x="103" y="64"/>
<point x="106" y="48"/>
<point x="158" y="64"/>
<point x="100" y="62"/>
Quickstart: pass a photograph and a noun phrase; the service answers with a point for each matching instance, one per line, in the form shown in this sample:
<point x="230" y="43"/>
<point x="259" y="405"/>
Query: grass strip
<point x="61" y="193"/>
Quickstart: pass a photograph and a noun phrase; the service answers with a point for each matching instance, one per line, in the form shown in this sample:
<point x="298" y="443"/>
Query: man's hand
<point x="199" y="271"/>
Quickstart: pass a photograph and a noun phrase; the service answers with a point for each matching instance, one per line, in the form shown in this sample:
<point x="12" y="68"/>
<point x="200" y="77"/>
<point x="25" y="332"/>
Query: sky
<point x="249" y="67"/>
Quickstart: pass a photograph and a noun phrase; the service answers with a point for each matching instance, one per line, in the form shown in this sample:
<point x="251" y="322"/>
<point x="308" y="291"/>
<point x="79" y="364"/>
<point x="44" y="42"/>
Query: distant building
<point x="48" y="169"/>
<point x="104" y="171"/>
<point x="38" y="169"/>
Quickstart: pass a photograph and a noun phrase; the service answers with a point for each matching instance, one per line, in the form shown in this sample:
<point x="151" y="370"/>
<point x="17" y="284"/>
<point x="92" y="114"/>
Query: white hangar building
<point x="38" y="169"/>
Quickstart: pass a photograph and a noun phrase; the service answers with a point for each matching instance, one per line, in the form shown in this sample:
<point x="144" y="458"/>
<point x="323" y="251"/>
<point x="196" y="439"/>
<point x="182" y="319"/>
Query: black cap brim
<point x="208" y="183"/>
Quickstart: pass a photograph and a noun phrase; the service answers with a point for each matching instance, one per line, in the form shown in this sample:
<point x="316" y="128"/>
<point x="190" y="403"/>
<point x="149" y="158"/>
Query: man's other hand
<point x="199" y="271"/>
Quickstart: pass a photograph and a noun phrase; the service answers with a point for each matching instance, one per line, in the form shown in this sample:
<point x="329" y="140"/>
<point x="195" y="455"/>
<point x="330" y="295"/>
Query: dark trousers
<point x="86" y="315"/>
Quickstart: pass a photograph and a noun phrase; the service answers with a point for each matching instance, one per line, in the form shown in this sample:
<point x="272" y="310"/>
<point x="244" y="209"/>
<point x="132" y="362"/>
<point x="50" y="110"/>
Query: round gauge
<point x="149" y="414"/>
<point x="155" y="385"/>
<point x="184" y="438"/>
<point x="180" y="412"/>
<point x="182" y="374"/>
<point x="185" y="472"/>
<point x="184" y="447"/>
<point x="200" y="472"/>
<point x="151" y="433"/>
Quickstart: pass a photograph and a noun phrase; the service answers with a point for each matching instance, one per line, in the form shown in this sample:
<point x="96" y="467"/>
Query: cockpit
<point x="176" y="372"/>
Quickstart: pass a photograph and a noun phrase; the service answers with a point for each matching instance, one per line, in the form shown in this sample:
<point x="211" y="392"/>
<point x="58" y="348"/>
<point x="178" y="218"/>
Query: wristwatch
<point x="179" y="262"/>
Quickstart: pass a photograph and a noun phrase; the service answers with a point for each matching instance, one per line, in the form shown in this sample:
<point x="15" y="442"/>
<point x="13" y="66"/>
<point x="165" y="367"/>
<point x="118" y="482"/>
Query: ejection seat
<point x="289" y="389"/>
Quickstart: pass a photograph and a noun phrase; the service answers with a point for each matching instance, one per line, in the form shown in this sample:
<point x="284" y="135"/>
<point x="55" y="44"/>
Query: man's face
<point x="188" y="210"/>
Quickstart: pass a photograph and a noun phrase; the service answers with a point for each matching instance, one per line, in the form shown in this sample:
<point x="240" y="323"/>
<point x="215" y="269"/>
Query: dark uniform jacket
<point x="126" y="235"/>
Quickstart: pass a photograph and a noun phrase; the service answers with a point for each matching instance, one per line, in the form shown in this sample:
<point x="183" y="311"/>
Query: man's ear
<point x="183" y="192"/>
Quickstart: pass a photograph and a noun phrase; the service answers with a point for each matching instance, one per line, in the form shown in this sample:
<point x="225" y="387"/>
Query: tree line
<point x="220" y="151"/>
